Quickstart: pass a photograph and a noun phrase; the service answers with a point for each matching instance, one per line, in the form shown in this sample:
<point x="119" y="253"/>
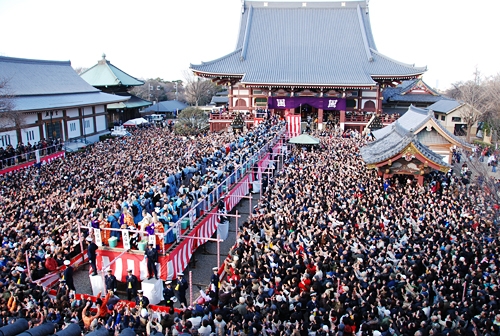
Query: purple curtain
<point x="325" y="103"/>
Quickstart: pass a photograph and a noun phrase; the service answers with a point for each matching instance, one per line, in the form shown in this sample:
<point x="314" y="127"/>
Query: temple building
<point x="108" y="78"/>
<point x="413" y="92"/>
<point x="50" y="100"/>
<point x="413" y="145"/>
<point x="320" y="62"/>
<point x="451" y="113"/>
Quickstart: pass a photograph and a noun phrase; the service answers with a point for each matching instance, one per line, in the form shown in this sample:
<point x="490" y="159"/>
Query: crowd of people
<point x="334" y="249"/>
<point x="330" y="249"/>
<point x="150" y="175"/>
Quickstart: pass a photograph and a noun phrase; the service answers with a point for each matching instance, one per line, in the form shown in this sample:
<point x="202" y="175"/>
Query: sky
<point x="160" y="38"/>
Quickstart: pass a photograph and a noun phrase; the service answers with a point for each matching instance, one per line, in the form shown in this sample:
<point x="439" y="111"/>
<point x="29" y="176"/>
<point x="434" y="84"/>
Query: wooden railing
<point x="365" y="118"/>
<point x="229" y="116"/>
<point x="362" y="118"/>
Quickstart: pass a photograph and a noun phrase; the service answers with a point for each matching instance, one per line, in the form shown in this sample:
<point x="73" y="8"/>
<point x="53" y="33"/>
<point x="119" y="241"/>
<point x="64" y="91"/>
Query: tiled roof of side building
<point x="61" y="101"/>
<point x="322" y="43"/>
<point x="445" y="105"/>
<point x="398" y="93"/>
<point x="106" y="74"/>
<point x="393" y="143"/>
<point x="39" y="77"/>
<point x="413" y="118"/>
<point x="219" y="99"/>
<point x="167" y="106"/>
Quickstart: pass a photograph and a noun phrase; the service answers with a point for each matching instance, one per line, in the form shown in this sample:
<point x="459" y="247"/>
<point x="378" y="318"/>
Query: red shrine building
<point x="310" y="60"/>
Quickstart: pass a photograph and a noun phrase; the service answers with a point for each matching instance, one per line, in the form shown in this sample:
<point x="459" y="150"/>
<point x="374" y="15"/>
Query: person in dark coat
<point x="168" y="294"/>
<point x="140" y="300"/>
<point x="110" y="281"/>
<point x="214" y="282"/>
<point x="131" y="285"/>
<point x="180" y="288"/>
<point x="91" y="253"/>
<point x="152" y="256"/>
<point x="68" y="275"/>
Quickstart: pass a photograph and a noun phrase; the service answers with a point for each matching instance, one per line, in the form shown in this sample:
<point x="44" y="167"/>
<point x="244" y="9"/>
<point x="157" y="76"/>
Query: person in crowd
<point x="180" y="288"/>
<point x="141" y="300"/>
<point x="169" y="294"/>
<point x="152" y="259"/>
<point x="92" y="254"/>
<point x="110" y="281"/>
<point x="132" y="282"/>
<point x="68" y="275"/>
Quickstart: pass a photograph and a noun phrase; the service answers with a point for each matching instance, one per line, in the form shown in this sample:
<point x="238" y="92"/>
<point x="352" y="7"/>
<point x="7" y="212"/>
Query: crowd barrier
<point x="32" y="158"/>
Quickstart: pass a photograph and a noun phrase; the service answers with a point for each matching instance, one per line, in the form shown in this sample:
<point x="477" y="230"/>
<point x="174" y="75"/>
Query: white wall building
<point x="50" y="101"/>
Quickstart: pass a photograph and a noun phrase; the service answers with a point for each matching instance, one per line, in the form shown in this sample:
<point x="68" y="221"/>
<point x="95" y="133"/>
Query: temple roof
<point x="321" y="43"/>
<point x="167" y="106"/>
<point x="393" y="143"/>
<point x="393" y="138"/>
<point x="62" y="101"/>
<point x="415" y="90"/>
<point x="41" y="85"/>
<point x="132" y="102"/>
<point x="414" y="119"/>
<point x="106" y="74"/>
<point x="445" y="106"/>
<point x="39" y="77"/>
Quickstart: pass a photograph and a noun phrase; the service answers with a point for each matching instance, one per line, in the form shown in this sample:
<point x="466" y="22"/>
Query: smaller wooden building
<point x="413" y="145"/>
<point x="110" y="79"/>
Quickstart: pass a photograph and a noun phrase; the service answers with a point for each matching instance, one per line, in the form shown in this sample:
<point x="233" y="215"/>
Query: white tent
<point x="135" y="122"/>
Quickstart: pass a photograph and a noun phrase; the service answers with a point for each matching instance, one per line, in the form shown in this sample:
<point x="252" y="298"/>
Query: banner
<point x="126" y="240"/>
<point x="325" y="103"/>
<point x="293" y="125"/>
<point x="98" y="239"/>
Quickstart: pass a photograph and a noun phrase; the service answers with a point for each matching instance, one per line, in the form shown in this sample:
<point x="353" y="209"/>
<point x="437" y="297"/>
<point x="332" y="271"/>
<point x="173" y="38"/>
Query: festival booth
<point x="135" y="122"/>
<point x="304" y="139"/>
<point x="180" y="240"/>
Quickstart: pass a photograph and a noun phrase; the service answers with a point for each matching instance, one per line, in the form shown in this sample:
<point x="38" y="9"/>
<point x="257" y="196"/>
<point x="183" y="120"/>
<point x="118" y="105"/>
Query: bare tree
<point x="191" y="121"/>
<point x="159" y="90"/>
<point x="9" y="117"/>
<point x="492" y="106"/>
<point x="80" y="70"/>
<point x="198" y="91"/>
<point x="473" y="94"/>
<point x="485" y="180"/>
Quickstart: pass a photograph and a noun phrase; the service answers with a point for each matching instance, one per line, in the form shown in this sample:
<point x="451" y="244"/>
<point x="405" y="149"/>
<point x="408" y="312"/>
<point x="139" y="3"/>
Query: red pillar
<point x="320" y="119"/>
<point x="342" y="120"/>
<point x="420" y="180"/>
<point x="378" y="106"/>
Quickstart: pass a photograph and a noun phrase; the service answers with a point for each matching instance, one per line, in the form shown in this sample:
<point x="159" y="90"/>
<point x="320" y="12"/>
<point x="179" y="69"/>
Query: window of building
<point x="158" y="88"/>
<point x="456" y="119"/>
<point x="151" y="87"/>
<point x="72" y="126"/>
<point x="30" y="136"/>
<point x="5" y="140"/>
<point x="351" y="103"/>
<point x="261" y="102"/>
<point x="443" y="118"/>
<point x="257" y="92"/>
